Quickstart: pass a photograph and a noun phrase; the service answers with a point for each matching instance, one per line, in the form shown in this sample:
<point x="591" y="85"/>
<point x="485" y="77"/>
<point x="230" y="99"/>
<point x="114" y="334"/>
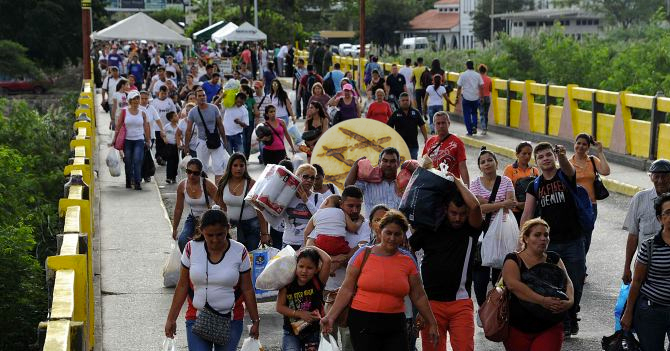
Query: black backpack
<point x="329" y="86"/>
<point x="426" y="78"/>
<point x="521" y="184"/>
<point x="311" y="80"/>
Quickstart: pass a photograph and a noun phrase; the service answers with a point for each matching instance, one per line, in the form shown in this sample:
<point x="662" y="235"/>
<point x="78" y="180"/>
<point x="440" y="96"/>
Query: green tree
<point x="13" y="60"/>
<point x="173" y="13"/>
<point x="482" y="16"/>
<point x="385" y="17"/>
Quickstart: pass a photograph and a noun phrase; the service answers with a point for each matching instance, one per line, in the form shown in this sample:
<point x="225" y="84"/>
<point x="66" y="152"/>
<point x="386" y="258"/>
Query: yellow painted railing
<point x="70" y="322"/>
<point x="561" y="111"/>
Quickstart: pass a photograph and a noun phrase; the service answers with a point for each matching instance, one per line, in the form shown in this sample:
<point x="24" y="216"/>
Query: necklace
<point x="234" y="190"/>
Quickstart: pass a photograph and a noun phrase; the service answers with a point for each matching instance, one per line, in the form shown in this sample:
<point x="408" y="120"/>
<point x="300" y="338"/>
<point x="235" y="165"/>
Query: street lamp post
<point x="361" y="41"/>
<point x="492" y="12"/>
<point x="209" y="10"/>
<point x="256" y="13"/>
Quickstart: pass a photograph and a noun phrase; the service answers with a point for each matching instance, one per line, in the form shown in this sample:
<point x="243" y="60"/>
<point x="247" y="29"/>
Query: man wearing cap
<point x="641" y="222"/>
<point x="110" y="82"/>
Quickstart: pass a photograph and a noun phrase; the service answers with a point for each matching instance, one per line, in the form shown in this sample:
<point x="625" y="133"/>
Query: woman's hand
<point x="326" y="325"/>
<point x="170" y="329"/>
<point x="148" y="144"/>
<point x="254" y="331"/>
<point x="434" y="334"/>
<point x="598" y="146"/>
<point x="627" y="320"/>
<point x="509" y="204"/>
<point x="302" y="194"/>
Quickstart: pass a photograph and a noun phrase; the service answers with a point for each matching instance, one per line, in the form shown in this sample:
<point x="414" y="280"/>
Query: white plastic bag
<point x="298" y="159"/>
<point x="501" y="239"/>
<point x="251" y="344"/>
<point x="294" y="132"/>
<point x="113" y="162"/>
<point x="328" y="343"/>
<point x="172" y="267"/>
<point x="279" y="272"/>
<point x="168" y="345"/>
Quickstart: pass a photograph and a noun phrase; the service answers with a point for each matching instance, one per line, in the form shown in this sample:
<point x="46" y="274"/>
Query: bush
<point x="33" y="151"/>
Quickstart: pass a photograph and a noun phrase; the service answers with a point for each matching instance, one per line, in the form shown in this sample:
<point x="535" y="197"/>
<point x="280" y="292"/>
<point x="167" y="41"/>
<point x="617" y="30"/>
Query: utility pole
<point x="256" y="14"/>
<point x="361" y="41"/>
<point x="209" y="7"/>
<point x="492" y="12"/>
<point x="86" y="37"/>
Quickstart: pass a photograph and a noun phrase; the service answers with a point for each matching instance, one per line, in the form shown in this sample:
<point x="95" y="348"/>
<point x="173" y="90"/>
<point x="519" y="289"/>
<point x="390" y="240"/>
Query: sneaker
<point x="574" y="326"/>
<point x="138" y="186"/>
<point x="479" y="321"/>
<point x="147" y="180"/>
<point x="474" y="130"/>
<point x="484" y="132"/>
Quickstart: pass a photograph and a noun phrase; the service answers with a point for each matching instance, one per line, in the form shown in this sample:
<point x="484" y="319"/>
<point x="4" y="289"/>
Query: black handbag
<point x="546" y="279"/>
<point x="620" y="341"/>
<point x="598" y="186"/>
<point x="212" y="140"/>
<point x="148" y="165"/>
<point x="311" y="134"/>
<point x="210" y="324"/>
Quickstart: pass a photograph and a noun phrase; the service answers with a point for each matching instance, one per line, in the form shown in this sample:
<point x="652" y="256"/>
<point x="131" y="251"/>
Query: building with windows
<point x="448" y="25"/>
<point x="576" y="22"/>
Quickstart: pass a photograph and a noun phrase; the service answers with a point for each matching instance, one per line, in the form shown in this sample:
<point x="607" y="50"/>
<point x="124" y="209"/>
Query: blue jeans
<point x="431" y="112"/>
<point x="470" y="115"/>
<point x="235" y="143"/>
<point x="277" y="237"/>
<point x="196" y="343"/>
<point x="248" y="233"/>
<point x="413" y="152"/>
<point x="187" y="231"/>
<point x="133" y="156"/>
<point x="248" y="131"/>
<point x="484" y="112"/>
<point x="651" y="323"/>
<point x="290" y="342"/>
<point x="573" y="256"/>
<point x="589" y="235"/>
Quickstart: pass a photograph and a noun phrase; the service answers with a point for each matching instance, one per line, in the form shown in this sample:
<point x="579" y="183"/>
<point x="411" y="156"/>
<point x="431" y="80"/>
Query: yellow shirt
<point x="586" y="175"/>
<point x="417" y="72"/>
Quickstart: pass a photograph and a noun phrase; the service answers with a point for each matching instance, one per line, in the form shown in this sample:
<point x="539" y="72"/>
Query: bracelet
<point x="256" y="320"/>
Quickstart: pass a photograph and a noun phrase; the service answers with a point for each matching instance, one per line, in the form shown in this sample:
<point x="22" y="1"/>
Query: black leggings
<point x="377" y="331"/>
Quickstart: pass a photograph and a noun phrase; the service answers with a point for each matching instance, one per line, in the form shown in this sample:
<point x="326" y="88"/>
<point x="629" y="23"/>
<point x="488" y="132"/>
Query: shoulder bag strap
<point x="593" y="162"/>
<point x="246" y="191"/>
<point x="438" y="144"/>
<point x="205" y="124"/>
<point x="204" y="190"/>
<point x="273" y="130"/>
<point x="368" y="250"/>
<point x="492" y="198"/>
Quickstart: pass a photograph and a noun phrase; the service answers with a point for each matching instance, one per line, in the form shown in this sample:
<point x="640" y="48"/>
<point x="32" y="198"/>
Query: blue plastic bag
<point x="259" y="260"/>
<point x="620" y="303"/>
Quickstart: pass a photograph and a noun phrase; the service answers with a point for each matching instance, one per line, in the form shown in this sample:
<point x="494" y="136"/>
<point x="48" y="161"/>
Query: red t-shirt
<point x="379" y="111"/>
<point x="451" y="152"/>
<point x="246" y="56"/>
<point x="486" y="88"/>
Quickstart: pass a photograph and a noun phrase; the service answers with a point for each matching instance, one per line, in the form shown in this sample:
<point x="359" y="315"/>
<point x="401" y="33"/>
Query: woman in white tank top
<point x="251" y="226"/>
<point x="190" y="191"/>
<point x="138" y="137"/>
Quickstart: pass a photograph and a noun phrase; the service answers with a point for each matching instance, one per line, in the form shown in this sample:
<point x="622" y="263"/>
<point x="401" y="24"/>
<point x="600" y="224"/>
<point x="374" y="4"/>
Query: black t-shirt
<point x="396" y="84"/>
<point x="557" y="206"/>
<point x="407" y="125"/>
<point x="447" y="260"/>
<point x="519" y="317"/>
<point x="378" y="85"/>
<point x="308" y="297"/>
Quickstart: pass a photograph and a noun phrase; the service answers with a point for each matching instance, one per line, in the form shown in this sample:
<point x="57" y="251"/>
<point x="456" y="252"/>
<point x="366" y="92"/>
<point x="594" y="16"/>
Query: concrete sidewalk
<point x="623" y="179"/>
<point x="135" y="239"/>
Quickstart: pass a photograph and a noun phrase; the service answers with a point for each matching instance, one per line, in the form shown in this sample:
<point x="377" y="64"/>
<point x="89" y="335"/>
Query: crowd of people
<point x="364" y="274"/>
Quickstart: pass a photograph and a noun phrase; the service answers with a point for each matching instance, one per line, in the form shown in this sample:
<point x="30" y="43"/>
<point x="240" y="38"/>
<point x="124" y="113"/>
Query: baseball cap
<point x="348" y="87"/>
<point x="133" y="94"/>
<point x="660" y="166"/>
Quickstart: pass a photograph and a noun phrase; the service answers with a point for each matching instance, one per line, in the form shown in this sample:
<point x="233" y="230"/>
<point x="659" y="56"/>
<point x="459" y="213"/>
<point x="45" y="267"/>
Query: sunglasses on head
<point x="195" y="173"/>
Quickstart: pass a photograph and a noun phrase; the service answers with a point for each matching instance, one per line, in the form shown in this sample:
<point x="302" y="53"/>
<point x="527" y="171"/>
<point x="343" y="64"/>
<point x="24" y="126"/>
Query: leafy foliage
<point x="620" y="12"/>
<point x="173" y="13"/>
<point x="13" y="60"/>
<point x="33" y="150"/>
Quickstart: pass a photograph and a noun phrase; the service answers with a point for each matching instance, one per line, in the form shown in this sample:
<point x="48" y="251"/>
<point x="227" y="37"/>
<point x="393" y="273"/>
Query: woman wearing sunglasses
<point x="300" y="209"/>
<point x="199" y="194"/>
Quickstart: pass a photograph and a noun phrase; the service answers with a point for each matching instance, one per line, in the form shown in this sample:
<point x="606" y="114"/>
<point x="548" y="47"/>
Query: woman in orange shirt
<point x="521" y="173"/>
<point x="377" y="280"/>
<point x="585" y="171"/>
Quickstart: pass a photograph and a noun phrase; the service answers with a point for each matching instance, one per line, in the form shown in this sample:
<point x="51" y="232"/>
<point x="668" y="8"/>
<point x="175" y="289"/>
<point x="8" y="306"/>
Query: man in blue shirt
<point x="136" y="69"/>
<point x="337" y="76"/>
<point x="212" y="87"/>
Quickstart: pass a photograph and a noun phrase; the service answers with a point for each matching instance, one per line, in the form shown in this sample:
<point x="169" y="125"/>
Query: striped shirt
<point x="656" y="286"/>
<point x="379" y="193"/>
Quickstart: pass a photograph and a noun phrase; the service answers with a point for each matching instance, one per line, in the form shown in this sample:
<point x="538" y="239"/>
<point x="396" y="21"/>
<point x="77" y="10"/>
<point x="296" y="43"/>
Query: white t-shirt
<point x="110" y="85"/>
<point x="134" y="125"/>
<point x="435" y="97"/>
<point x="152" y="117"/>
<point x="157" y="85"/>
<point x="220" y="277"/>
<point x="407" y="72"/>
<point x="295" y="218"/>
<point x="121" y="102"/>
<point x="233" y="114"/>
<point x="183" y="123"/>
<point x="330" y="221"/>
<point x="163" y="107"/>
<point x="171" y="133"/>
<point x="470" y="81"/>
<point x="280" y="108"/>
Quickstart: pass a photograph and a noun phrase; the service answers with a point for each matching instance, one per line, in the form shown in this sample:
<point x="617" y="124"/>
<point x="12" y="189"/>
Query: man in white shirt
<point x="157" y="81"/>
<point x="235" y="119"/>
<point x="281" y="59"/>
<point x="408" y="72"/>
<point x="110" y="82"/>
<point x="469" y="84"/>
<point x="163" y="105"/>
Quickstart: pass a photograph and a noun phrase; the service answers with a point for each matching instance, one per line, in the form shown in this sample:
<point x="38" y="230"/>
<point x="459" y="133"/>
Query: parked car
<point x="344" y="49"/>
<point x="356" y="50"/>
<point x="23" y="83"/>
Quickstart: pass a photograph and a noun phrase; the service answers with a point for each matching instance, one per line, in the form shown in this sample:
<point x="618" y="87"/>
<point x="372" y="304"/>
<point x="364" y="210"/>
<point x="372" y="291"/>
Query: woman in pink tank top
<point x="274" y="152"/>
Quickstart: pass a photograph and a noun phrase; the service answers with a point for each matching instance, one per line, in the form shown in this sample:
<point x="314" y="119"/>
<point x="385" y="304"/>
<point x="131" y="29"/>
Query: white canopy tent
<point x="245" y="32"/>
<point x="140" y="27"/>
<point x="175" y="27"/>
<point x="209" y="30"/>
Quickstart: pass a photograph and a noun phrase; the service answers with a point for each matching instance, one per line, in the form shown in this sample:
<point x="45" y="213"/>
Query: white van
<point x="410" y="45"/>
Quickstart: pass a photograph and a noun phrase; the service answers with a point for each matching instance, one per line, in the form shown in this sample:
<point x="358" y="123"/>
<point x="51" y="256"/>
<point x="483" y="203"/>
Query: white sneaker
<point x="479" y="321"/>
